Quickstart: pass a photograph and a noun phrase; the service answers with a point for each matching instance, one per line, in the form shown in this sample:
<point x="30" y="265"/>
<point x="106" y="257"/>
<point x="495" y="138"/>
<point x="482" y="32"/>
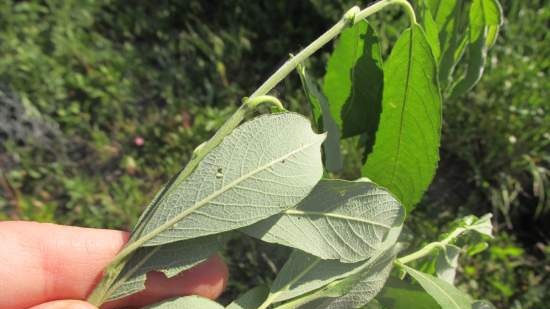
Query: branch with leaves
<point x="263" y="177"/>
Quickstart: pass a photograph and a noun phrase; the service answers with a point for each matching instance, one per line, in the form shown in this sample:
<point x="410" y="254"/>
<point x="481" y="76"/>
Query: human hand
<point x="48" y="266"/>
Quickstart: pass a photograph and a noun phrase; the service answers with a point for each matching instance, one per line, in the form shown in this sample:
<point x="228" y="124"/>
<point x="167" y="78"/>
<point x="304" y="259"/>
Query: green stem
<point x="426" y="250"/>
<point x="351" y="17"/>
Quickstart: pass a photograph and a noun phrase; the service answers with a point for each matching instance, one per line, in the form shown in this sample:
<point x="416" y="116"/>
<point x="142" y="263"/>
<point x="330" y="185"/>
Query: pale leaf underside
<point x="339" y="219"/>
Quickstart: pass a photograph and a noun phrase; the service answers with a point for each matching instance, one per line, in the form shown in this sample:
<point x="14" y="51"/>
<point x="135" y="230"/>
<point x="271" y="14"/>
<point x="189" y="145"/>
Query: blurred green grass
<point x="103" y="101"/>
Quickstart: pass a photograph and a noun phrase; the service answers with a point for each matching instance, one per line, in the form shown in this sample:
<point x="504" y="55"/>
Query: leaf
<point x="187" y="302"/>
<point x="252" y="299"/>
<point x="355" y="290"/>
<point x="445" y="294"/>
<point x="358" y="285"/>
<point x="484" y="13"/>
<point x="303" y="273"/>
<point x="339" y="219"/>
<point x="406" y="151"/>
<point x="400" y="294"/>
<point x="354" y="79"/>
<point x="432" y="32"/>
<point x="170" y="259"/>
<point x="364" y="286"/>
<point x="447" y="262"/>
<point x="324" y="120"/>
<point x="485" y="19"/>
<point x="266" y="165"/>
<point x="446" y="14"/>
<point x="477" y="54"/>
<point x="482" y="225"/>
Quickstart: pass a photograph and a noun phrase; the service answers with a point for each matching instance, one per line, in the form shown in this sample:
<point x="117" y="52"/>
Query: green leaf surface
<point x="339" y="219"/>
<point x="484" y="13"/>
<point x="444" y="293"/>
<point x="323" y="118"/>
<point x="406" y="151"/>
<point x="170" y="259"/>
<point x="187" y="302"/>
<point x="399" y="294"/>
<point x="446" y="14"/>
<point x="264" y="166"/>
<point x="353" y="81"/>
<point x="252" y="299"/>
<point x="485" y="18"/>
<point x="447" y="262"/>
<point x="432" y="32"/>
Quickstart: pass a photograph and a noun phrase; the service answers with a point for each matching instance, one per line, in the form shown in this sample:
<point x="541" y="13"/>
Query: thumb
<point x="65" y="304"/>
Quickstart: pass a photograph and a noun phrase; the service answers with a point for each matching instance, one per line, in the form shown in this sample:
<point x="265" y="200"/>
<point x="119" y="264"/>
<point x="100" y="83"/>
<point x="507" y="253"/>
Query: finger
<point x="44" y="262"/>
<point x="64" y="304"/>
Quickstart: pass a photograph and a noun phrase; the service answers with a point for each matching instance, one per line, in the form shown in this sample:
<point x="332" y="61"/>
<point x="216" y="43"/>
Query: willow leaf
<point x="252" y="299"/>
<point x="406" y="151"/>
<point x="353" y="82"/>
<point x="324" y="120"/>
<point x="444" y="293"/>
<point x="308" y="280"/>
<point x="399" y="294"/>
<point x="264" y="166"/>
<point x="303" y="273"/>
<point x="359" y="289"/>
<point x="339" y="219"/>
<point x="447" y="262"/>
<point x="432" y="31"/>
<point x="485" y="18"/>
<point x="484" y="13"/>
<point x="187" y="302"/>
<point x="170" y="259"/>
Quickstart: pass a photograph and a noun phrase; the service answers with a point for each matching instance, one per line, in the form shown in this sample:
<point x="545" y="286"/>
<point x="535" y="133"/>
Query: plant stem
<point x="352" y="17"/>
<point x="426" y="250"/>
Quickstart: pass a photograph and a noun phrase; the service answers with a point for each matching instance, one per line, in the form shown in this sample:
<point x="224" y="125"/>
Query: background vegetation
<point x="101" y="102"/>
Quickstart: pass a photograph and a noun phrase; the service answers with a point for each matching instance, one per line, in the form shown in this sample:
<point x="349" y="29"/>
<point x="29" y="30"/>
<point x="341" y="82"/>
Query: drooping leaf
<point x="187" y="302"/>
<point x="354" y="79"/>
<point x="324" y="120"/>
<point x="477" y="54"/>
<point x="484" y="13"/>
<point x="446" y="15"/>
<point x="170" y="259"/>
<point x="444" y="293"/>
<point x="432" y="32"/>
<point x="358" y="285"/>
<point x="264" y="166"/>
<point x="399" y="294"/>
<point x="485" y="18"/>
<point x="303" y="273"/>
<point x="339" y="219"/>
<point x="481" y="225"/>
<point x="252" y="299"/>
<point x="447" y="262"/>
<point x="406" y="151"/>
<point x="360" y="288"/>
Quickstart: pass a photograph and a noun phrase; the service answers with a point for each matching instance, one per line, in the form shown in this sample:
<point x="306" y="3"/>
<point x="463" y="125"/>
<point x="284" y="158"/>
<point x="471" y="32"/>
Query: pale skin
<point x="48" y="266"/>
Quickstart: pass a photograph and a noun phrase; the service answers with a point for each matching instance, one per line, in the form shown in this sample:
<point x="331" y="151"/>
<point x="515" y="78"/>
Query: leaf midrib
<point x="296" y="212"/>
<point x="405" y="98"/>
<point x="418" y="273"/>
